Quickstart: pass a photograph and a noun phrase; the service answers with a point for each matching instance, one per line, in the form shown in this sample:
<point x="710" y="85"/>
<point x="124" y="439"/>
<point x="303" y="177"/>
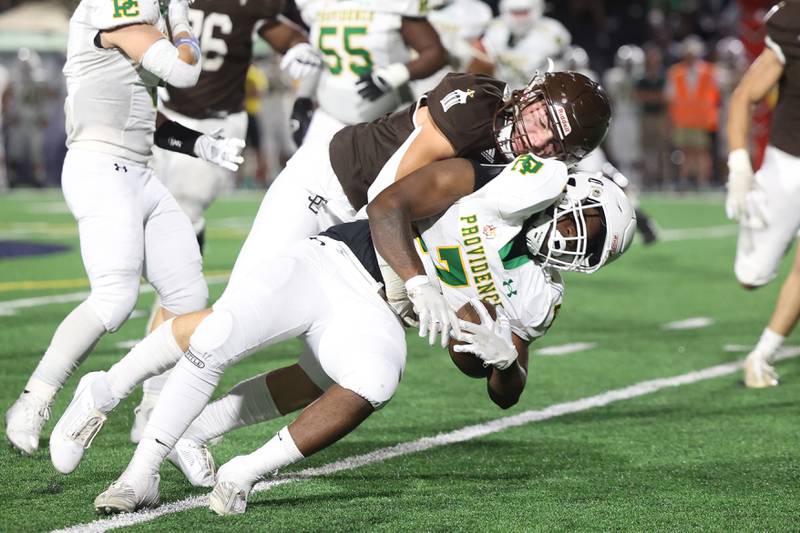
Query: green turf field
<point x="708" y="455"/>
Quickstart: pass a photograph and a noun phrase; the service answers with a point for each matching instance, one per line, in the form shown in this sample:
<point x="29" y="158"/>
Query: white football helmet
<point x="630" y="58"/>
<point x="520" y="16"/>
<point x="579" y="252"/>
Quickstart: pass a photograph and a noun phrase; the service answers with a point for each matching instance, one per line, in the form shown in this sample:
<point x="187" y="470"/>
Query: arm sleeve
<point x="176" y="137"/>
<point x="463" y="107"/>
<point x="110" y="14"/>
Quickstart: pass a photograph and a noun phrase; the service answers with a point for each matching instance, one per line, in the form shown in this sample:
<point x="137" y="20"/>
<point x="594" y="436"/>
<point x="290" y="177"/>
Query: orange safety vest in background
<point x="694" y="106"/>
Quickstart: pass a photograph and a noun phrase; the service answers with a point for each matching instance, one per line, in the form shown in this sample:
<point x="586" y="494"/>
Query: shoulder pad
<point x="526" y="186"/>
<point x="404" y="8"/>
<point x="109" y="14"/>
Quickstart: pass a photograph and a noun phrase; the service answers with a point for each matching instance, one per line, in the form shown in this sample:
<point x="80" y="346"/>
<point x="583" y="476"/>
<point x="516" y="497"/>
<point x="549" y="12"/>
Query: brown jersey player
<point x="765" y="203"/>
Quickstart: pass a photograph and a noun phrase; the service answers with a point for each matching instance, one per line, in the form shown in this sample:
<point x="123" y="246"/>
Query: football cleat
<point x="229" y="496"/>
<point x="81" y="422"/>
<point x="758" y="373"/>
<point x="195" y="461"/>
<point x="126" y="495"/>
<point x="141" y="414"/>
<point x="24" y="421"/>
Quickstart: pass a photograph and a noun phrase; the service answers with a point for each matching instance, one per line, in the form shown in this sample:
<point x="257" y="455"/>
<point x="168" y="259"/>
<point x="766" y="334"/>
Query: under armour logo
<point x="316" y="202"/>
<point x="510" y="291"/>
<point x="119" y="167"/>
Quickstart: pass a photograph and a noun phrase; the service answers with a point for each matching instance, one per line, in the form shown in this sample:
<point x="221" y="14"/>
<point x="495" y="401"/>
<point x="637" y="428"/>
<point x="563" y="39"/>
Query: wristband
<point x="176" y="137"/>
<point x="416" y="281"/>
<point x="192" y="43"/>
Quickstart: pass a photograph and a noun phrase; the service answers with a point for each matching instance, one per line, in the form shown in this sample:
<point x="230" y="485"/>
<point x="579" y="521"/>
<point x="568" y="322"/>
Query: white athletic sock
<point x="152" y="386"/>
<point x="73" y="340"/>
<point x="769" y="343"/>
<point x="248" y="403"/>
<point x="278" y="452"/>
<point x="153" y="355"/>
<point x="183" y="397"/>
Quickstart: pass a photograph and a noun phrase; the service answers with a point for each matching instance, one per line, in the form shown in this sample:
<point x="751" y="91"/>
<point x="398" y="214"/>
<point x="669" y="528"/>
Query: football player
<point x="765" y="202"/>
<point x="129" y="225"/>
<point x="216" y="104"/>
<point x="560" y="115"/>
<point x="368" y="48"/>
<point x="330" y="284"/>
<point x="519" y="42"/>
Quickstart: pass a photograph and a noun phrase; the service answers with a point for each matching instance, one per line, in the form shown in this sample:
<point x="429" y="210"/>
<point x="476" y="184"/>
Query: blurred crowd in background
<point x="668" y="65"/>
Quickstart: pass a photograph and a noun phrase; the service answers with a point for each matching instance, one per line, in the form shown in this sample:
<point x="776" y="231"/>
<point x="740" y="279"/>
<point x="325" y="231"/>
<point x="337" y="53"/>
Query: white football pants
<point x="777" y="191"/>
<point x="131" y="226"/>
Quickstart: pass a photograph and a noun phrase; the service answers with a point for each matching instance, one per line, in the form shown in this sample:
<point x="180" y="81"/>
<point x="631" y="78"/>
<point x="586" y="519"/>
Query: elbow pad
<point x="162" y="60"/>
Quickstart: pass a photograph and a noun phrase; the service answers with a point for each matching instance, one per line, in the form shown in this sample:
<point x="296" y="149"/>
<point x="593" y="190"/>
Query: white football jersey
<point x="110" y="104"/>
<point x="458" y="24"/>
<point x="356" y="37"/>
<point x="468" y="249"/>
<point x="517" y="62"/>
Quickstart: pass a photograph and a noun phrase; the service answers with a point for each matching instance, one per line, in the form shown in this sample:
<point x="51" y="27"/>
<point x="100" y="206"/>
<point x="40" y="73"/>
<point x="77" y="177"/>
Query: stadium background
<point x="597" y="443"/>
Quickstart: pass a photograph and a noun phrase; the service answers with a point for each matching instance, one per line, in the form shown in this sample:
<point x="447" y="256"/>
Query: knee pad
<point x="377" y="385"/>
<point x="113" y="298"/>
<point x="750" y="277"/>
<point x="213" y="343"/>
<point x="185" y="295"/>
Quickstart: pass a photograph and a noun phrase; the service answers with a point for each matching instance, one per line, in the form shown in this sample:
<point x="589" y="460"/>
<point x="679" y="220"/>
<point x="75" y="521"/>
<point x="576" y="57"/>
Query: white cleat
<point x="126" y="495"/>
<point x="141" y="414"/>
<point x="758" y="373"/>
<point x="195" y="461"/>
<point x="229" y="496"/>
<point x="81" y="422"/>
<point x="24" y="421"/>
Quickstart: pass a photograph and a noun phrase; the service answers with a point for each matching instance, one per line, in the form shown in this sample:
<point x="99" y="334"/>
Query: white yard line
<point x="9" y="307"/>
<point x="565" y="349"/>
<point x="426" y="443"/>
<point x="696" y="322"/>
<point x="706" y="232"/>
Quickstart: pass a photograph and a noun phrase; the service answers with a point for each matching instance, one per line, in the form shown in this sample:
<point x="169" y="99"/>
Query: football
<point x="468" y="363"/>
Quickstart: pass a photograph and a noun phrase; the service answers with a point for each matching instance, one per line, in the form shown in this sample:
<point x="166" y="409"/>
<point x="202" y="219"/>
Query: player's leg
<point x="242" y="321"/>
<point x="172" y="265"/>
<point x="366" y="367"/>
<point x="102" y="198"/>
<point x="304" y="199"/>
<point x="758" y="256"/>
<point x="258" y="399"/>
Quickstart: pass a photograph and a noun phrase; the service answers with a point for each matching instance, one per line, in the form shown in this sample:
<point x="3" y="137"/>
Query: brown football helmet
<point x="578" y="109"/>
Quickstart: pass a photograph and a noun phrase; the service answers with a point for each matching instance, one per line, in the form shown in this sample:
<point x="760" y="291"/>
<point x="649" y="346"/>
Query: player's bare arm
<point x="506" y="386"/>
<point x="430" y="145"/>
<point x="762" y="75"/>
<point x="423" y="193"/>
<point x="420" y="35"/>
<point x="280" y="35"/>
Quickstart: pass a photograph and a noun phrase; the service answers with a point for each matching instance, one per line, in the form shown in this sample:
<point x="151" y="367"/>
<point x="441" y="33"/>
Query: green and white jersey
<point x="110" y="98"/>
<point x="468" y="249"/>
<point x="356" y="37"/>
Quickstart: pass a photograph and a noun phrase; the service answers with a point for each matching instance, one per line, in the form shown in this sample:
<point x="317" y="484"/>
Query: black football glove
<point x="302" y="111"/>
<point x="380" y="81"/>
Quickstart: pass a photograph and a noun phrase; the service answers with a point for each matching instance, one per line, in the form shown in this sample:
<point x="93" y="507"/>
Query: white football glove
<point x="223" y="151"/>
<point x="490" y="340"/>
<point x="301" y="60"/>
<point x="435" y="315"/>
<point x="178" y="14"/>
<point x="740" y="204"/>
